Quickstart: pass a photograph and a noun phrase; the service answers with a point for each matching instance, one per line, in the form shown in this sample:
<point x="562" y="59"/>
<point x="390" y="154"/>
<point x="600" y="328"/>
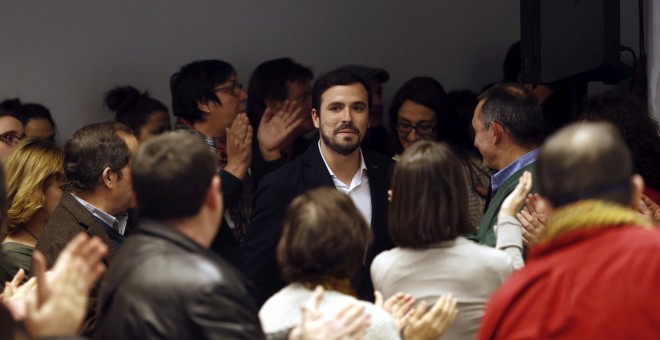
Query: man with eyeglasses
<point x="209" y="102"/>
<point x="508" y="125"/>
<point x="11" y="132"/>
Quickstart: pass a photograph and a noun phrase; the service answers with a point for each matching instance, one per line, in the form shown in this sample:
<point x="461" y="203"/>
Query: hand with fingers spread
<point x="277" y="128"/>
<point x="350" y="322"/>
<point x="239" y="146"/>
<point x="649" y="209"/>
<point x="14" y="294"/>
<point x="399" y="306"/>
<point x="60" y="301"/>
<point x="431" y="324"/>
<point x="533" y="219"/>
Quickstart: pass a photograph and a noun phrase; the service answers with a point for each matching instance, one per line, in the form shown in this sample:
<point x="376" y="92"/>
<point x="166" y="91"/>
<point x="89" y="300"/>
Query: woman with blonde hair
<point x="35" y="180"/>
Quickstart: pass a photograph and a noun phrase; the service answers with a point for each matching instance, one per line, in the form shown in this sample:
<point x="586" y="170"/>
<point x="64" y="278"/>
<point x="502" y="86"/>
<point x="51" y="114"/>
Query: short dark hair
<point x="517" y="110"/>
<point x="90" y="150"/>
<point x="430" y="93"/>
<point x="12" y="108"/>
<point x="332" y="79"/>
<point x="36" y="111"/>
<point x="585" y="161"/>
<point x="171" y="175"/>
<point x="269" y="82"/>
<point x="195" y="83"/>
<point x="324" y="237"/>
<point x="131" y="107"/>
<point x="429" y="196"/>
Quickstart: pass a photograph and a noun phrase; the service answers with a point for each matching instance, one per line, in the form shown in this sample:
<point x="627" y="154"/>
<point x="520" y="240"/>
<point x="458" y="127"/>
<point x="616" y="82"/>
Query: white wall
<point x="66" y="54"/>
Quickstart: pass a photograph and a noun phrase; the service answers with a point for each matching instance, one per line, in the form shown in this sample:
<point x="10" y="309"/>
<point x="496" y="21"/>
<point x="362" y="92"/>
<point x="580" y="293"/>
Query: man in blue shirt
<point x="508" y="125"/>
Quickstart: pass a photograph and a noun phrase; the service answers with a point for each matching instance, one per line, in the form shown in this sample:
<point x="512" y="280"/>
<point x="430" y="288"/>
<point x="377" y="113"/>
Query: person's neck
<point x="98" y="200"/>
<point x="510" y="153"/>
<point x="25" y="235"/>
<point x="205" y="128"/>
<point x="343" y="166"/>
<point x="198" y="228"/>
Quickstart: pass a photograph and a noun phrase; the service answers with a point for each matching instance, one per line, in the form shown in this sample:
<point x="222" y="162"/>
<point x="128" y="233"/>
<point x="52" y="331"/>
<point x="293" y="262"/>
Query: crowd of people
<point x="289" y="211"/>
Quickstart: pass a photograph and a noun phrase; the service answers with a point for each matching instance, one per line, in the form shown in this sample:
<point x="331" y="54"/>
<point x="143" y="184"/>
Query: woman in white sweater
<point x="427" y="215"/>
<point x="323" y="243"/>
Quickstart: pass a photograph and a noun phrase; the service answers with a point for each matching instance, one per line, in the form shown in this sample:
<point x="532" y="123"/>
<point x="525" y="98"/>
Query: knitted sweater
<point x="486" y="234"/>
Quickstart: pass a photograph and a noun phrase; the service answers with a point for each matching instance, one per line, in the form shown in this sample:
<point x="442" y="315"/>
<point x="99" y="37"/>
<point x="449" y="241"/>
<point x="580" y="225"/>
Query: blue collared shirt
<point x="117" y="223"/>
<point x="501" y="176"/>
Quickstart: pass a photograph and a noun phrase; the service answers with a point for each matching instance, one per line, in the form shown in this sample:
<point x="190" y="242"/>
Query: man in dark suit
<point x="340" y="102"/>
<point x="96" y="166"/>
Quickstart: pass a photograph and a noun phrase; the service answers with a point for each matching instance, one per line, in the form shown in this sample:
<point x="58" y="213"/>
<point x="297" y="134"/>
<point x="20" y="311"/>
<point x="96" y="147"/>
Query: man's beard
<point x="338" y="146"/>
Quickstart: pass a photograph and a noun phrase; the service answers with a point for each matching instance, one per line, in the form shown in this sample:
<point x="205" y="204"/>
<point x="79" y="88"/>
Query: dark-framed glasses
<point x="234" y="88"/>
<point x="10" y="138"/>
<point x="422" y="129"/>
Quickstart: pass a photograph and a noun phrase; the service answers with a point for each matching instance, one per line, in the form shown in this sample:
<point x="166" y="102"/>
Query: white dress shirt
<point x="358" y="190"/>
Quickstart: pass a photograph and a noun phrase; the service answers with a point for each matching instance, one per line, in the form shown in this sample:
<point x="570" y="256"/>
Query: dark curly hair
<point x="638" y="128"/>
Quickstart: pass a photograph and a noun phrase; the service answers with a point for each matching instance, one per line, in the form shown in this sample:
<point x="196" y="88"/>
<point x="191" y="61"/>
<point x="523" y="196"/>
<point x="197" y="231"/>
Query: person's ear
<point x="636" y="190"/>
<point x="496" y="132"/>
<point x="315" y="119"/>
<point x="108" y="177"/>
<point x="204" y="107"/>
<point x="214" y="195"/>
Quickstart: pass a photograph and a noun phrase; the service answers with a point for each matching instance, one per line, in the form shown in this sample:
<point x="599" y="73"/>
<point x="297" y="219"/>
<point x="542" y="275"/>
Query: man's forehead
<point x="345" y="92"/>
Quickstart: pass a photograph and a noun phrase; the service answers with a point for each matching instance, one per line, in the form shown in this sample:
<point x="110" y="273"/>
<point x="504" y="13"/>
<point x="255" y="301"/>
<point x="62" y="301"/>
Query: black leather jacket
<point x="163" y="285"/>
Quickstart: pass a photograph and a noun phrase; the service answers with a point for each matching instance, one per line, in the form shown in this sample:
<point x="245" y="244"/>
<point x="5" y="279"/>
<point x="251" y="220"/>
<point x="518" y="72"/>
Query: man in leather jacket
<point x="165" y="282"/>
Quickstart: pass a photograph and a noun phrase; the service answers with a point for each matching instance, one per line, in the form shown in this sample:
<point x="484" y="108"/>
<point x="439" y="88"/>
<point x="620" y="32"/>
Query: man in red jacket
<point x="594" y="274"/>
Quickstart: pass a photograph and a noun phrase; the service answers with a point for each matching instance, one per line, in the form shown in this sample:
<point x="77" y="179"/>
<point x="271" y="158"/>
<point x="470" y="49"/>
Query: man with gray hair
<point x="508" y="125"/>
<point x="595" y="273"/>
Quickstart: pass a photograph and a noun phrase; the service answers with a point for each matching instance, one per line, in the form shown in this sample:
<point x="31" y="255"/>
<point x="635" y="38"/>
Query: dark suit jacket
<point x="278" y="189"/>
<point x="69" y="219"/>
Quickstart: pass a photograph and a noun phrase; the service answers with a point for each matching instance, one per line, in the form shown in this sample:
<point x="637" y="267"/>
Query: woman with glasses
<point x="35" y="183"/>
<point x="421" y="110"/>
<point x="146" y="116"/>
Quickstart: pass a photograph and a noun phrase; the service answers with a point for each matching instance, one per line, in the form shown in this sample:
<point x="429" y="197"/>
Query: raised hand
<point x="512" y="203"/>
<point x="60" y="303"/>
<point x="239" y="146"/>
<point x="276" y="129"/>
<point x="649" y="209"/>
<point x="350" y="322"/>
<point x="533" y="220"/>
<point x="431" y="324"/>
<point x="399" y="306"/>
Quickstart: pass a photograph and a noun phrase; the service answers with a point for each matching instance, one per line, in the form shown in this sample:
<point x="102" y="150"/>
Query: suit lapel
<point x="90" y="223"/>
<point x="315" y="172"/>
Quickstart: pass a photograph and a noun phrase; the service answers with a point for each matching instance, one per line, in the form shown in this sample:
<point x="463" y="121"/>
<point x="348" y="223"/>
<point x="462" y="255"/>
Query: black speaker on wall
<point x="568" y="38"/>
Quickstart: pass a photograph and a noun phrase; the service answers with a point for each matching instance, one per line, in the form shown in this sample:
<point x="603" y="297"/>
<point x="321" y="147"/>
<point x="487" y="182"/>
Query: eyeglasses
<point x="234" y="88"/>
<point x="10" y="138"/>
<point x="422" y="130"/>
